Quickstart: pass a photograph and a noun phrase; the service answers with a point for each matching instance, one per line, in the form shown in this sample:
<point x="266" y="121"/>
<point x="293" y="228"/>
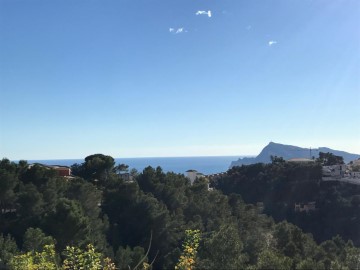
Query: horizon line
<point x="139" y="157"/>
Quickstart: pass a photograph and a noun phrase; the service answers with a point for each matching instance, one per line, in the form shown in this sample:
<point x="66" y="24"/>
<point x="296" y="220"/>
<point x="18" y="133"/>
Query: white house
<point x="127" y="177"/>
<point x="334" y="171"/>
<point x="301" y="160"/>
<point x="354" y="174"/>
<point x="193" y="174"/>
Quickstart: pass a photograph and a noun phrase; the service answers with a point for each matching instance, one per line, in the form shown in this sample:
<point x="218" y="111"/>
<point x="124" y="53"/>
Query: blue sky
<point x="136" y="78"/>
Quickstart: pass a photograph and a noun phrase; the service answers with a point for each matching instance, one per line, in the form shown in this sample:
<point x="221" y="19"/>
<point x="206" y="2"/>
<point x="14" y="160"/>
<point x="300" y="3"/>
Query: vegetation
<point x="279" y="186"/>
<point x="328" y="159"/>
<point x="190" y="246"/>
<point x="160" y="221"/>
<point x="74" y="258"/>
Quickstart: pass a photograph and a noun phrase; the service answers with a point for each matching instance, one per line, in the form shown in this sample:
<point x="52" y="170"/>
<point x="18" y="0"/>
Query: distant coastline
<point x="291" y="152"/>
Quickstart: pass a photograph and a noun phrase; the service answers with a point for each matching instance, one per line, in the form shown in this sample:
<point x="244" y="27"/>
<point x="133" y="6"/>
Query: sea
<point x="205" y="165"/>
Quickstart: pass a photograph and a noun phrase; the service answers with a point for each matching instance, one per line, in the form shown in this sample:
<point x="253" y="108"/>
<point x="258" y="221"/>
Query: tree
<point x="134" y="172"/>
<point x="8" y="166"/>
<point x="46" y="259"/>
<point x="90" y="198"/>
<point x="276" y="159"/>
<point x="8" y="182"/>
<point x="75" y="258"/>
<point x="127" y="258"/>
<point x="352" y="259"/>
<point x="328" y="159"/>
<point x="8" y="249"/>
<point x="121" y="168"/>
<point x="37" y="175"/>
<point x="97" y="167"/>
<point x="35" y="239"/>
<point x="269" y="259"/>
<point x="68" y="224"/>
<point x="309" y="264"/>
<point x="30" y="201"/>
<point x="223" y="249"/>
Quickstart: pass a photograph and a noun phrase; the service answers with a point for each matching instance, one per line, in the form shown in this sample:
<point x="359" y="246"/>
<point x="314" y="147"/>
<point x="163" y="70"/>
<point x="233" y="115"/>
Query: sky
<point x="157" y="78"/>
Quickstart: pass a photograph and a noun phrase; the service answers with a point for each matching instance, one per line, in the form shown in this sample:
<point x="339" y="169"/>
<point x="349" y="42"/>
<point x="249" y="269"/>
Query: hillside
<point x="163" y="221"/>
<point x="294" y="192"/>
<point x="290" y="151"/>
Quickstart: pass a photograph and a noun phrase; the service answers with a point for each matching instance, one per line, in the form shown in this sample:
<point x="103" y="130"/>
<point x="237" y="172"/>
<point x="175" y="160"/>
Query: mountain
<point x="290" y="151"/>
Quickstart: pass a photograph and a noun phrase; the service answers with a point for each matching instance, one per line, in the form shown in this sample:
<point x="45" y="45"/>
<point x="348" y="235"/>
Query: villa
<point x="63" y="171"/>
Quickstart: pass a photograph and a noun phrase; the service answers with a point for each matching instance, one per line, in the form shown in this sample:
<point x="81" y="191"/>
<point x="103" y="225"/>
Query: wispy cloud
<point x="248" y="27"/>
<point x="177" y="30"/>
<point x="272" y="42"/>
<point x="203" y="12"/>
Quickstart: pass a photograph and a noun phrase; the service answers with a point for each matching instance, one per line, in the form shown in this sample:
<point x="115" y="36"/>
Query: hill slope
<point x="290" y="151"/>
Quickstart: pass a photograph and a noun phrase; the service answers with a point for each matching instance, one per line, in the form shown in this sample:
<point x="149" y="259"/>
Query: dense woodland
<point x="241" y="222"/>
<point x="280" y="185"/>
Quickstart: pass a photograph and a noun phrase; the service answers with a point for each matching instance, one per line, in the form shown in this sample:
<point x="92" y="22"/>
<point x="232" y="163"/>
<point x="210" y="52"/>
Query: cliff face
<point x="290" y="151"/>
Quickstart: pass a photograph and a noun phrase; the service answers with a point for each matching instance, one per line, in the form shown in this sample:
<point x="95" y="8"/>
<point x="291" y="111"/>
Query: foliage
<point x="39" y="208"/>
<point x="128" y="258"/>
<point x="8" y="248"/>
<point x="328" y="159"/>
<point x="68" y="224"/>
<point x="35" y="240"/>
<point x="44" y="260"/>
<point x="121" y="168"/>
<point x="352" y="258"/>
<point x="190" y="245"/>
<point x="269" y="259"/>
<point x="276" y="159"/>
<point x="279" y="186"/>
<point x="76" y="258"/>
<point x="97" y="167"/>
<point x="223" y="249"/>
